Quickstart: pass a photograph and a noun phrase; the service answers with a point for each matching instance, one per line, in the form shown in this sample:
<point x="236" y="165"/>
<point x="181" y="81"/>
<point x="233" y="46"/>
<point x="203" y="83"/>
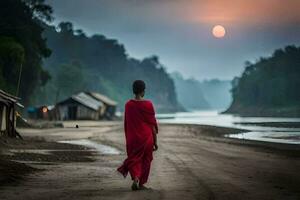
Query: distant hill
<point x="96" y="63"/>
<point x="269" y="87"/>
<point x="189" y="93"/>
<point x="217" y="93"/>
<point x="202" y="95"/>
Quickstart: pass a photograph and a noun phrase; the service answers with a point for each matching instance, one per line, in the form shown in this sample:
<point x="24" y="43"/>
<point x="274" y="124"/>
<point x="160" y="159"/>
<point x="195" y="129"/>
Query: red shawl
<point x="139" y="120"/>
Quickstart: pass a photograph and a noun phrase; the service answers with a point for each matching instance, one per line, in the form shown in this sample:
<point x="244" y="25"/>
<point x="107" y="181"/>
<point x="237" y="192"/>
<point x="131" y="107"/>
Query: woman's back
<point x="136" y="122"/>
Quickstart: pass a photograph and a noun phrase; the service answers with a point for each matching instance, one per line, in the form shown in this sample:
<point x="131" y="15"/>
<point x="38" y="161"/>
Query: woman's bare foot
<point x="135" y="184"/>
<point x="142" y="187"/>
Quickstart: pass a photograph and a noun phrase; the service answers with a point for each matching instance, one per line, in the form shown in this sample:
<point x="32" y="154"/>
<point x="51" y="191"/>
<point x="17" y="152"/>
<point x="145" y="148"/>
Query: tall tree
<point x="22" y="22"/>
<point x="11" y="58"/>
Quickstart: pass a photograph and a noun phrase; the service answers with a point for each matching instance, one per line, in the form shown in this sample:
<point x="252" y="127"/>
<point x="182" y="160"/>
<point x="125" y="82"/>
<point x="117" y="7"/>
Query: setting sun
<point x="218" y="31"/>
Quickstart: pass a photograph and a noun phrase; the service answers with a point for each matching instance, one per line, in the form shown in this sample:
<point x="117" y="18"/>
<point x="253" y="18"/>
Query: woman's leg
<point x="146" y="164"/>
<point x="136" y="171"/>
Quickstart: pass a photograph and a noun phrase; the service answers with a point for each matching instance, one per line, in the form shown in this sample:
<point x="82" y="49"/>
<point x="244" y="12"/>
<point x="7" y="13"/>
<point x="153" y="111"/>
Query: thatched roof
<point x="8" y="98"/>
<point x="102" y="98"/>
<point x="85" y="100"/>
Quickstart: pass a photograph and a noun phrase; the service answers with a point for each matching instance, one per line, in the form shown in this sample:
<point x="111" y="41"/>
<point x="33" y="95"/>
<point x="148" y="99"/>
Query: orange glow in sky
<point x="236" y="12"/>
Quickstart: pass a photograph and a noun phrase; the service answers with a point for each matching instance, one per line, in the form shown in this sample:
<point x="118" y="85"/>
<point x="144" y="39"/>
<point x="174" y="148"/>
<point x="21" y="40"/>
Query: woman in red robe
<point x="140" y="131"/>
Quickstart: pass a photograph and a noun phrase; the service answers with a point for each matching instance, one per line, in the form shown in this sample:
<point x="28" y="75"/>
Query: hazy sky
<point x="179" y="31"/>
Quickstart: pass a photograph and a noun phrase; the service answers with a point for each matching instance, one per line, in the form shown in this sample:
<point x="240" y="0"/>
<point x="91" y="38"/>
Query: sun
<point x="218" y="31"/>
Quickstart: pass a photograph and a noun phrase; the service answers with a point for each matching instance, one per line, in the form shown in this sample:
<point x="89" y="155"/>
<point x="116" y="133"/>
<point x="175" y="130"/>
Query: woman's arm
<point x="154" y="134"/>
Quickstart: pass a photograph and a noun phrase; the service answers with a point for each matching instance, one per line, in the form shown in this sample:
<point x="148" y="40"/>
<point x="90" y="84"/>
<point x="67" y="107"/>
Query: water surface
<point x="254" y="132"/>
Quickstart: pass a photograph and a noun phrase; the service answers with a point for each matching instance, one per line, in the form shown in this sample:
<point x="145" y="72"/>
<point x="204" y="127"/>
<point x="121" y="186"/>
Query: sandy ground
<point x="190" y="164"/>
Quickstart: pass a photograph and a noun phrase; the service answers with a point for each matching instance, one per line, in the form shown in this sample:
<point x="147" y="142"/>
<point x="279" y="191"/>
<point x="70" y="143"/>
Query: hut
<point x="8" y="116"/>
<point x="80" y="106"/>
<point x="109" y="108"/>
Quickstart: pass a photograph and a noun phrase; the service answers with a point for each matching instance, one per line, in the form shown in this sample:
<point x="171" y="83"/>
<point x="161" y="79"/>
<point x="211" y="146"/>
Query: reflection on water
<point x="256" y="132"/>
<point x="103" y="149"/>
<point x="269" y="136"/>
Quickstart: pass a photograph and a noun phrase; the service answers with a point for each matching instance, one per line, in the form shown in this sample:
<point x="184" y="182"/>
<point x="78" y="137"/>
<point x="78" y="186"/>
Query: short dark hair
<point x="138" y="86"/>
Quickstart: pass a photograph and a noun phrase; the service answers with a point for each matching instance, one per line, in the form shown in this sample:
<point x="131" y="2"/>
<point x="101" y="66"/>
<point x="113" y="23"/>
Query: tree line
<point x="57" y="61"/>
<point x="269" y="86"/>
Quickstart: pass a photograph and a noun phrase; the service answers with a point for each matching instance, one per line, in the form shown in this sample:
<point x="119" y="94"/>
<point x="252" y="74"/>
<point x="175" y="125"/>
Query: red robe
<point x="139" y="124"/>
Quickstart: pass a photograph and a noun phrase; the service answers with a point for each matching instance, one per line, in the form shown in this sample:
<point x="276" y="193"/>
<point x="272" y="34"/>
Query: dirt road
<point x="188" y="165"/>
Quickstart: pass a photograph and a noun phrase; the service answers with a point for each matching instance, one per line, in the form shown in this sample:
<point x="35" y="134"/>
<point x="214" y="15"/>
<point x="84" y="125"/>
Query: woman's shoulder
<point x="147" y="101"/>
<point x="144" y="101"/>
<point x="128" y="102"/>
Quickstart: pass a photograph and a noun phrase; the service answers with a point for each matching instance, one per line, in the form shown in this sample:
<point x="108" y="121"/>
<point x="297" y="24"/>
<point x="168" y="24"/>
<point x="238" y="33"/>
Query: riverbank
<point x="193" y="162"/>
<point x="272" y="124"/>
<point x="256" y="111"/>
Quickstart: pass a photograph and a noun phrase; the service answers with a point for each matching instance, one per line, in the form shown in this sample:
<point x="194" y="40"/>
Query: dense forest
<point x="211" y="94"/>
<point x="77" y="62"/>
<point x="22" y="46"/>
<point x="269" y="87"/>
<point x="100" y="64"/>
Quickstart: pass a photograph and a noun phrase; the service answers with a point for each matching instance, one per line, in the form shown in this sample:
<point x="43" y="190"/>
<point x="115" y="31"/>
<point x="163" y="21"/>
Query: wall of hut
<point x="76" y="111"/>
<point x="8" y="118"/>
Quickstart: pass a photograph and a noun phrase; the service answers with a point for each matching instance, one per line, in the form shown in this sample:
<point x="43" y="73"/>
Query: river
<point x="254" y="132"/>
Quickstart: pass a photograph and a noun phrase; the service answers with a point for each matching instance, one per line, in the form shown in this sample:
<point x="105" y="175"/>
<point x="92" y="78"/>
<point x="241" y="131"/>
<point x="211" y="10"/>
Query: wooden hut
<point x="109" y="108"/>
<point x="8" y="105"/>
<point x="79" y="107"/>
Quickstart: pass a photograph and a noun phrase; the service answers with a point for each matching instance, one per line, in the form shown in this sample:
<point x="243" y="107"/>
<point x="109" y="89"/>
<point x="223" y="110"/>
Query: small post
<point x="19" y="80"/>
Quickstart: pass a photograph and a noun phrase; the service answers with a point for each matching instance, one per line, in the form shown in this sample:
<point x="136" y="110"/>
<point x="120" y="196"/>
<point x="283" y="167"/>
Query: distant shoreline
<point x="255" y="111"/>
<point x="272" y="124"/>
